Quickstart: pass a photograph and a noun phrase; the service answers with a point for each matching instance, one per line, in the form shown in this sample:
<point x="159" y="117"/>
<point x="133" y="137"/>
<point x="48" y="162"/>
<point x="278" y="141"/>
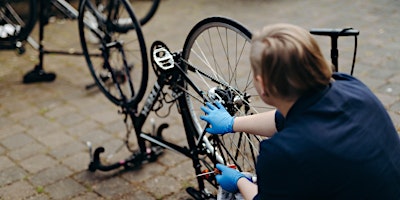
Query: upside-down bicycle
<point x="18" y="18"/>
<point x="212" y="66"/>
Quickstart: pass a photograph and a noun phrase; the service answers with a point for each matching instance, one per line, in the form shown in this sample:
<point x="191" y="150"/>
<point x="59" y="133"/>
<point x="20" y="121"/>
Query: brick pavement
<point x="43" y="126"/>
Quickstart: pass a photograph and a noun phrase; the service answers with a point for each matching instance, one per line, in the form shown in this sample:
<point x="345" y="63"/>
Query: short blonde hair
<point x="289" y="60"/>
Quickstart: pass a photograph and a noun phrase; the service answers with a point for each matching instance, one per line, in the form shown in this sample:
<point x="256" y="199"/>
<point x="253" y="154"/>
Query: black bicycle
<point x="18" y="17"/>
<point x="16" y="22"/>
<point x="213" y="66"/>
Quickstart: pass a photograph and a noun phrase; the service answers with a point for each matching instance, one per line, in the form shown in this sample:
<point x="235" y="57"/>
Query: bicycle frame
<point x="139" y="117"/>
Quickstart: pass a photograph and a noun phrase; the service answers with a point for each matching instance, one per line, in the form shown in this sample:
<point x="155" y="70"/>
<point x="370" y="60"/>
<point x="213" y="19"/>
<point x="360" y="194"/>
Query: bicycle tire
<point x="144" y="9"/>
<point x="208" y="49"/>
<point x="16" y="21"/>
<point x="117" y="57"/>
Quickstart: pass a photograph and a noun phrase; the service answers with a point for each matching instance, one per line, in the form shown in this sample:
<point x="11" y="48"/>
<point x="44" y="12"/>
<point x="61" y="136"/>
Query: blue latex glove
<point x="221" y="121"/>
<point x="228" y="178"/>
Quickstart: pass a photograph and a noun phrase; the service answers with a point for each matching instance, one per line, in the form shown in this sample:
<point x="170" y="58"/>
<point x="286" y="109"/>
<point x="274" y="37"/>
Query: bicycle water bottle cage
<point x="161" y="56"/>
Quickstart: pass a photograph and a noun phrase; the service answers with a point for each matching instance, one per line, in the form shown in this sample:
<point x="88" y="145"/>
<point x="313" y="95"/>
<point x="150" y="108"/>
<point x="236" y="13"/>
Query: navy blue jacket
<point x="337" y="143"/>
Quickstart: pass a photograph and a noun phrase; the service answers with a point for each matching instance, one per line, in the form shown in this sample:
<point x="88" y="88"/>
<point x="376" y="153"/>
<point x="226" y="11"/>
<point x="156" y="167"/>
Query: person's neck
<point x="284" y="105"/>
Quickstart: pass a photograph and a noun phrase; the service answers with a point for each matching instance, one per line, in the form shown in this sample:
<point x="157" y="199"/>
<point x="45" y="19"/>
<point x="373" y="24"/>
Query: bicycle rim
<point x="17" y="19"/>
<point x="117" y="60"/>
<point x="220" y="48"/>
<point x="144" y="9"/>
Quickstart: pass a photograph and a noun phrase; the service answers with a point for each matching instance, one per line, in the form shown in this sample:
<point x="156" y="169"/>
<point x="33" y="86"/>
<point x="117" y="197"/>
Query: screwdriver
<point x="248" y="175"/>
<point x="216" y="171"/>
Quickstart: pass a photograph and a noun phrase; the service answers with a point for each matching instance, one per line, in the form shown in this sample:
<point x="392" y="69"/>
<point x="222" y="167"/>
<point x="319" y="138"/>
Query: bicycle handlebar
<point x="133" y="161"/>
<point x="96" y="164"/>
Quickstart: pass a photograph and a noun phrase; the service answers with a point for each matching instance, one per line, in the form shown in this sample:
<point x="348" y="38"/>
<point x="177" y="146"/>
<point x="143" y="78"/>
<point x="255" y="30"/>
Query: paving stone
<point x="146" y="172"/>
<point x="170" y="158"/>
<point x="395" y="78"/>
<point x="68" y="149"/>
<point x="22" y="112"/>
<point x="39" y="131"/>
<point x="391" y="89"/>
<point x="38" y="197"/>
<point x="88" y="195"/>
<point x="396" y="120"/>
<point x="13" y="191"/>
<point x="386" y="99"/>
<point x="137" y="194"/>
<point x="96" y="137"/>
<point x="56" y="139"/>
<point x="11" y="174"/>
<point x="27" y="151"/>
<point x="4" y="122"/>
<point x="65" y="189"/>
<point x="70" y="119"/>
<point x="50" y="175"/>
<point x="37" y="163"/>
<point x="395" y="107"/>
<point x="59" y="111"/>
<point x="82" y="128"/>
<point x="106" y="116"/>
<point x="114" y="187"/>
<point x="180" y="195"/>
<point x="16" y="141"/>
<point x="77" y="162"/>
<point x="11" y="129"/>
<point x="116" y="128"/>
<point x="182" y="172"/>
<point x="115" y="150"/>
<point x="37" y="121"/>
<point x="5" y="163"/>
<point x="89" y="178"/>
<point x="161" y="186"/>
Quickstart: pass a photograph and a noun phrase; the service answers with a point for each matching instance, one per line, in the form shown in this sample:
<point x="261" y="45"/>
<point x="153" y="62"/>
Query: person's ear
<point x="260" y="84"/>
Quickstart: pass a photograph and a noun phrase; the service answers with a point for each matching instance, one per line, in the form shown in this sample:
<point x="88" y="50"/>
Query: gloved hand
<point x="228" y="178"/>
<point x="221" y="121"/>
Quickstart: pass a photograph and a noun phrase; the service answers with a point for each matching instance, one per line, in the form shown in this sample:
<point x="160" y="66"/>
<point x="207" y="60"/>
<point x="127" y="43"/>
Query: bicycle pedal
<point x="161" y="56"/>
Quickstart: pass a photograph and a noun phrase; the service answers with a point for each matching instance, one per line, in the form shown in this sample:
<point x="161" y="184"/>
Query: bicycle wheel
<point x="17" y="19"/>
<point x="216" y="56"/>
<point x="115" y="50"/>
<point x="144" y="9"/>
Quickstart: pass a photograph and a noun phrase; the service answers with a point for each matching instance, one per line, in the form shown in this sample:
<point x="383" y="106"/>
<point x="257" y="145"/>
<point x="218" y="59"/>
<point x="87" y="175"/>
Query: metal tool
<point x="216" y="171"/>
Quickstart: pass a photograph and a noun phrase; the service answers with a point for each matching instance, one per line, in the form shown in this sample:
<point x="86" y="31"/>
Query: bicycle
<point x="212" y="66"/>
<point x="176" y="84"/>
<point x="17" y="22"/>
